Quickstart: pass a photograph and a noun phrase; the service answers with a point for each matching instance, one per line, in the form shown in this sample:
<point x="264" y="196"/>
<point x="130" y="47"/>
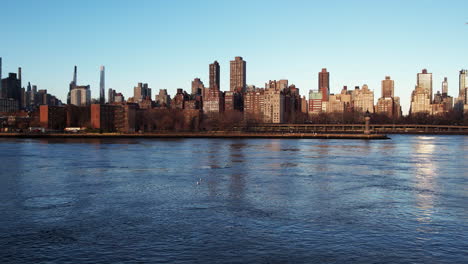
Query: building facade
<point x="238" y="75"/>
<point x="80" y="95"/>
<point x="324" y="84"/>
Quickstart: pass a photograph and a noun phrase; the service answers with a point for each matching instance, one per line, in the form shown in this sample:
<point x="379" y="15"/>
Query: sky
<point x="168" y="43"/>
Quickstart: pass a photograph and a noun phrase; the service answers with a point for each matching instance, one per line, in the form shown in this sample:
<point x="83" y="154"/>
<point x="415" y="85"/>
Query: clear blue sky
<point x="168" y="43"/>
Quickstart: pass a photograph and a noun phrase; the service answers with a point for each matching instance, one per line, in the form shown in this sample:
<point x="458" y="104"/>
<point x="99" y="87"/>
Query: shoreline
<point x="200" y="135"/>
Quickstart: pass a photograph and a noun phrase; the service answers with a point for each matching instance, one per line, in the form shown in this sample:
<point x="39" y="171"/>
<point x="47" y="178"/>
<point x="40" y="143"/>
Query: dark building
<point x="53" y="117"/>
<point x="8" y="105"/>
<point x="11" y="88"/>
<point x="214" y="76"/>
<point x="103" y="117"/>
<point x="324" y="84"/>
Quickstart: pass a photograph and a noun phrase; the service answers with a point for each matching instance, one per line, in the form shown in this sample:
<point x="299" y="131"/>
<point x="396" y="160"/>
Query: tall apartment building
<point x="424" y="80"/>
<point x="388" y="104"/>
<point x="273" y="108"/>
<point x="388" y="87"/>
<point x="315" y="101"/>
<point x="213" y="102"/>
<point x="363" y="100"/>
<point x="140" y="92"/>
<point x="324" y="84"/>
<point x="334" y="104"/>
<point x="111" y="96"/>
<point x="420" y="101"/>
<point x="462" y="85"/>
<point x="80" y="95"/>
<point x="214" y="71"/>
<point x="238" y="75"/>
<point x="254" y="104"/>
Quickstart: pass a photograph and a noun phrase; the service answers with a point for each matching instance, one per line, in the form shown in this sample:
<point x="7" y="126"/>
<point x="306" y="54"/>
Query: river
<point x="234" y="200"/>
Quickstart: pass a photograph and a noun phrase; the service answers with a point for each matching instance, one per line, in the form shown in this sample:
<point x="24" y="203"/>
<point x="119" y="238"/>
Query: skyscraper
<point x="388" y="86"/>
<point x="214" y="76"/>
<point x="363" y="99"/>
<point x="141" y="92"/>
<point x="72" y="86"/>
<point x="324" y="84"/>
<point x="102" y="92"/>
<point x="424" y="81"/>
<point x="74" y="76"/>
<point x="20" y="75"/>
<point x="238" y="75"/>
<point x="463" y="84"/>
<point x="445" y="87"/>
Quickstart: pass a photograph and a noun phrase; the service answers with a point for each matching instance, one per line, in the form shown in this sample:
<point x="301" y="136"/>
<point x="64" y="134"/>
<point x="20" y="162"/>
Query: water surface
<point x="234" y="200"/>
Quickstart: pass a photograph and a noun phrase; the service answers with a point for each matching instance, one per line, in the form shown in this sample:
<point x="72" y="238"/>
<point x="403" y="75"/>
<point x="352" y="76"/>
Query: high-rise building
<point x="324" y="84"/>
<point x="387" y="103"/>
<point x="363" y="100"/>
<point x="420" y="101"/>
<point x="75" y="75"/>
<point x="111" y="96"/>
<point x="463" y="86"/>
<point x="424" y="81"/>
<point x="238" y="75"/>
<point x="72" y="85"/>
<point x="140" y="92"/>
<point x="388" y="86"/>
<point x="315" y="101"/>
<point x="20" y="76"/>
<point x="11" y="88"/>
<point x="80" y="95"/>
<point x="445" y="87"/>
<point x="214" y="76"/>
<point x="102" y="89"/>
<point x="253" y="104"/>
<point x="213" y="102"/>
<point x="197" y="86"/>
<point x="335" y="104"/>
<point x="273" y="106"/>
<point x="462" y="83"/>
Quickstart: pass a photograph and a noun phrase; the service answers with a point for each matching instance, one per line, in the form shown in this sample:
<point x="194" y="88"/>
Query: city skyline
<point x="355" y="48"/>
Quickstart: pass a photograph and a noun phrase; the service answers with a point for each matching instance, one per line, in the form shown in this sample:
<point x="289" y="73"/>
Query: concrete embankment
<point x="195" y="135"/>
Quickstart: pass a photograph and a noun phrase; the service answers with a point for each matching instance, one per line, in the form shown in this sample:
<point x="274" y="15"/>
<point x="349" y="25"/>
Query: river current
<point x="403" y="200"/>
